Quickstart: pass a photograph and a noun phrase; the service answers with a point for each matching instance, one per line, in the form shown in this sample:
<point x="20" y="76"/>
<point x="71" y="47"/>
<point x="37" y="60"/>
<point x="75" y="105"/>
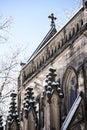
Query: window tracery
<point x="69" y="88"/>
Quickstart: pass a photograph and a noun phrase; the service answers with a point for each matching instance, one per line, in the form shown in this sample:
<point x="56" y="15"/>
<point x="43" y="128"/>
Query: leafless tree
<point x="9" y="67"/>
<point x="4" y="26"/>
<point x="9" y="71"/>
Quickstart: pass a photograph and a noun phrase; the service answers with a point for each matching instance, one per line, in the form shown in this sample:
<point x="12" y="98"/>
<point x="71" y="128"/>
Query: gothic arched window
<point x="69" y="88"/>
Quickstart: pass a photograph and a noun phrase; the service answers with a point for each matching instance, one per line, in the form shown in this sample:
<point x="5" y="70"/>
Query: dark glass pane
<point x="73" y="95"/>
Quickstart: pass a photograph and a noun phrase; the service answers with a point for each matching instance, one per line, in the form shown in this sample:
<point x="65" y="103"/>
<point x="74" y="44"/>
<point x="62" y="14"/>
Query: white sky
<point x="30" y="21"/>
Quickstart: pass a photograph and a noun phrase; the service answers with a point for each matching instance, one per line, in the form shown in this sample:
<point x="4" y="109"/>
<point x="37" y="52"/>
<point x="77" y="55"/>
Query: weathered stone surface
<point x="66" y="51"/>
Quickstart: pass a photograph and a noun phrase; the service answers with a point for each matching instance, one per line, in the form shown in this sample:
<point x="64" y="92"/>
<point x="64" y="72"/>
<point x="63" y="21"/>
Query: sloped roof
<point x="50" y="34"/>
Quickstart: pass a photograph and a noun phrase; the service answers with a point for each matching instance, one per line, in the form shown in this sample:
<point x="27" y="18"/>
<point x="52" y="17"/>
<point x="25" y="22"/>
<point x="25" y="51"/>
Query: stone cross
<point x="52" y="19"/>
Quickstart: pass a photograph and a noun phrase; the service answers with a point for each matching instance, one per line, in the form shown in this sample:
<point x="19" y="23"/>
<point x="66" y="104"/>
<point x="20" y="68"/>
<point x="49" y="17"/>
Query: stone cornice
<point x="55" y="54"/>
<point x="48" y="42"/>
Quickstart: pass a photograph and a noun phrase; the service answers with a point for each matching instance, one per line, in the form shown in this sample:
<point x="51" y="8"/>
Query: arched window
<point x="77" y="27"/>
<point x="69" y="35"/>
<point x="52" y="52"/>
<point x="55" y="49"/>
<point x="48" y="53"/>
<point x="66" y="39"/>
<point x="69" y="88"/>
<point x="43" y="59"/>
<point x="40" y="62"/>
<point x="73" y="31"/>
<point x="58" y="45"/>
<point x="81" y="22"/>
<point x="62" y="41"/>
<point x="37" y="65"/>
<point x="34" y="68"/>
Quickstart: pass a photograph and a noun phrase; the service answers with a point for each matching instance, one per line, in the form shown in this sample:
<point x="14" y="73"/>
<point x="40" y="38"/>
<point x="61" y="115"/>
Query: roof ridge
<point x="50" y="34"/>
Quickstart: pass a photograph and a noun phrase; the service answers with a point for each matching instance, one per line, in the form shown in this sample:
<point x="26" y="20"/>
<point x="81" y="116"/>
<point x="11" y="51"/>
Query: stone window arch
<point x="65" y="38"/>
<point x="70" y="35"/>
<point x="48" y="53"/>
<point x="62" y="42"/>
<point x="52" y="51"/>
<point x="81" y="22"/>
<point x="34" y="67"/>
<point x="77" y="26"/>
<point x="70" y="88"/>
<point x="37" y="65"/>
<point x="55" y="49"/>
<point x="42" y="60"/>
<point x="73" y="31"/>
<point x="58" y="45"/>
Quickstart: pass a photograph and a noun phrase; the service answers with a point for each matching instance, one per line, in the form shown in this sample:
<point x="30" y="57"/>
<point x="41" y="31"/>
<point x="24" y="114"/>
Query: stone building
<point x="66" y="51"/>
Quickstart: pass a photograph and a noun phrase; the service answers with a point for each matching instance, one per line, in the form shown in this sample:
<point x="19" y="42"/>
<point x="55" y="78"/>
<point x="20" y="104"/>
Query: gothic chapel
<point x="52" y="91"/>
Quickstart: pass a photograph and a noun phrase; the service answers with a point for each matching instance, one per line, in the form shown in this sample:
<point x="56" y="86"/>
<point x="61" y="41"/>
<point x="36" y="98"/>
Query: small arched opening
<point x="73" y="31"/>
<point x="81" y="22"/>
<point x="78" y="27"/>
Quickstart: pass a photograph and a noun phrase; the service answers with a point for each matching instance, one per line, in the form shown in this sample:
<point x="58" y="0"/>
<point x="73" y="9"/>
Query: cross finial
<point x="52" y="19"/>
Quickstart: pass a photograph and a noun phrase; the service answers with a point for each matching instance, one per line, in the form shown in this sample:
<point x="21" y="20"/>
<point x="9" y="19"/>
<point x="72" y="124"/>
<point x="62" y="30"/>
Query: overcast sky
<point x="30" y="21"/>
